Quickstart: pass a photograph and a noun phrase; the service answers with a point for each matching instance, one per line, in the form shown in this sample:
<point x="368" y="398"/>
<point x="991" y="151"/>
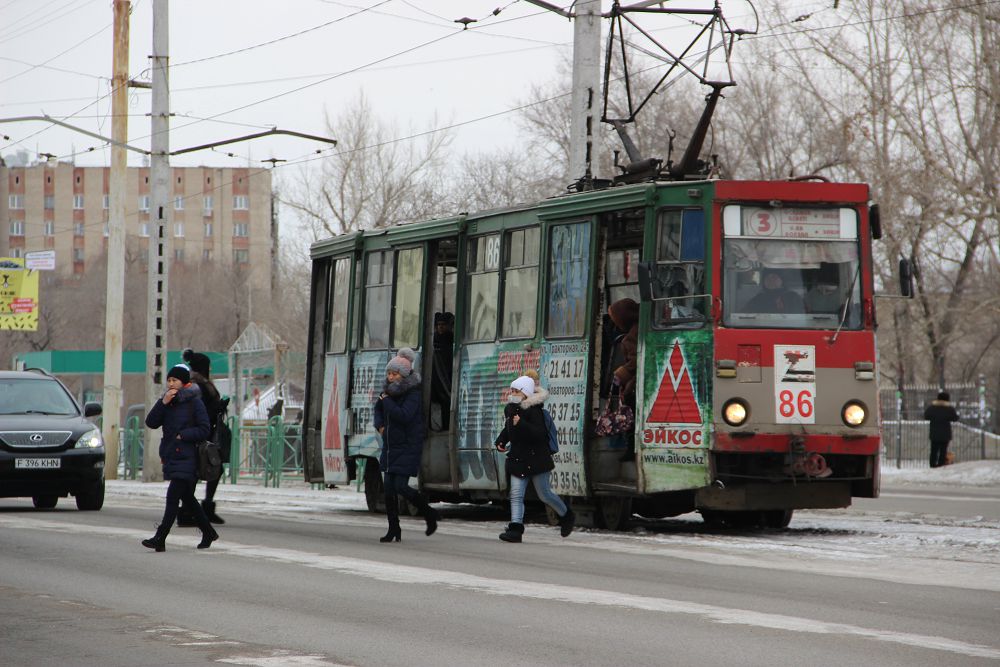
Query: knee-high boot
<point x="158" y="542"/>
<point x="208" y="534"/>
<point x="392" y="514"/>
<point x="431" y="515"/>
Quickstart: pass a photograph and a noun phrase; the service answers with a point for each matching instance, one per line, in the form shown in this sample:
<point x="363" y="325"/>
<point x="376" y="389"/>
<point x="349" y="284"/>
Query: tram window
<point x="378" y="299"/>
<point x="680" y="270"/>
<point x="520" y="283"/>
<point x="409" y="287"/>
<point x="336" y="339"/>
<point x="569" y="275"/>
<point x="622" y="275"/>
<point x="483" y="266"/>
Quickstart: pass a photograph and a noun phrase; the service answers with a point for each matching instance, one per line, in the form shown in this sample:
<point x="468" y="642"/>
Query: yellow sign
<point x="18" y="296"/>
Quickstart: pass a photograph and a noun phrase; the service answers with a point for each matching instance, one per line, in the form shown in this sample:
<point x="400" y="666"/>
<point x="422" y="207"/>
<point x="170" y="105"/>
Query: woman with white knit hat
<point x="398" y="417"/>
<point x="529" y="458"/>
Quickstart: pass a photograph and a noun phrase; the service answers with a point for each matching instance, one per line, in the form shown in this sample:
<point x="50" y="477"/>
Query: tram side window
<point x="378" y="299"/>
<point x="680" y="269"/>
<point x="520" y="283"/>
<point x="483" y="267"/>
<point x="409" y="287"/>
<point x="569" y="275"/>
<point x="339" y="288"/>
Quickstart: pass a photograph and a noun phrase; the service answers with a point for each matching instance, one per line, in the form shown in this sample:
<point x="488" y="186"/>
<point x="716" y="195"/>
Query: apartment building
<point x="219" y="216"/>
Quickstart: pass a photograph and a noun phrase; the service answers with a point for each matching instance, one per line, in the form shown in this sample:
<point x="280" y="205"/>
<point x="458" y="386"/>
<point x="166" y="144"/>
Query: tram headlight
<point x="735" y="412"/>
<point x="854" y="413"/>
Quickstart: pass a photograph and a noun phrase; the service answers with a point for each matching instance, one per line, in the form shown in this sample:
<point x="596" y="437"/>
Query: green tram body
<point x="529" y="287"/>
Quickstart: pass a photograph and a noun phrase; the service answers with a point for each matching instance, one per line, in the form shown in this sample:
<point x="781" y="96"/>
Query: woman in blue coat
<point x="398" y="417"/>
<point x="181" y="414"/>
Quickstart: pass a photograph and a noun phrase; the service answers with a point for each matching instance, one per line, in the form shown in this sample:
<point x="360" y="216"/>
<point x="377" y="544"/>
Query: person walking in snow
<point x="940" y="413"/>
<point x="529" y="458"/>
<point x="182" y="416"/>
<point x="398" y="417"/>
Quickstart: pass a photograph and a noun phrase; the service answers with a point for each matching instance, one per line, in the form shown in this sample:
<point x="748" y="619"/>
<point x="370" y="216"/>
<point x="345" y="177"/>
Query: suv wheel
<point x="91" y="497"/>
<point x="45" y="502"/>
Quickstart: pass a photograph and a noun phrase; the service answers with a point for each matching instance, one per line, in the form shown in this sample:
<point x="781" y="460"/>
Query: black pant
<point x="397" y="485"/>
<point x="939" y="452"/>
<point x="181" y="490"/>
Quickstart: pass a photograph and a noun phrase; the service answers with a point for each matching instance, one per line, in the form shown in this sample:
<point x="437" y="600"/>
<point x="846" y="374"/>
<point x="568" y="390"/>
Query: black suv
<point x="48" y="447"/>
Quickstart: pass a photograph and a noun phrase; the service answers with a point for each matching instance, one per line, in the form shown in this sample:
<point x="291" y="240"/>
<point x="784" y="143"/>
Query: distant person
<point x="823" y="298"/>
<point x="444" y="349"/>
<point x="624" y="313"/>
<point x="940" y="413"/>
<point x="774" y="298"/>
<point x="399" y="419"/>
<point x="215" y="406"/>
<point x="529" y="458"/>
<point x="182" y="416"/>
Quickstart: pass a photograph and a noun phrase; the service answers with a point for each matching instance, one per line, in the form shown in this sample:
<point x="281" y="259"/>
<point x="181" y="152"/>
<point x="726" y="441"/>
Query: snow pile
<point x="973" y="473"/>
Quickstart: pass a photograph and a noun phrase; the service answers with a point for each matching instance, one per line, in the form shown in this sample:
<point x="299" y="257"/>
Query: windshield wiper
<point x="847" y="306"/>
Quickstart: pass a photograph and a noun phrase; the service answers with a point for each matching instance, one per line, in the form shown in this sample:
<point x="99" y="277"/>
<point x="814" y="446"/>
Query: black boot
<point x="185" y="518"/>
<point x="394" y="533"/>
<point x="513" y="533"/>
<point x="208" y="534"/>
<point x="209" y="507"/>
<point x="430" y="514"/>
<point x="157" y="542"/>
<point x="566" y="522"/>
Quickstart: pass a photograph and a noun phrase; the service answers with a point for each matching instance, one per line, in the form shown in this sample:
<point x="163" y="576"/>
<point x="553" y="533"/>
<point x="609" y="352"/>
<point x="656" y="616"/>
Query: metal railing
<point x="906" y="444"/>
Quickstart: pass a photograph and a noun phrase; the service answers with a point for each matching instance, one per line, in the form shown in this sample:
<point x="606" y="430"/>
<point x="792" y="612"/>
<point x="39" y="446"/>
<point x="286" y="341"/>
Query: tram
<point x="755" y="388"/>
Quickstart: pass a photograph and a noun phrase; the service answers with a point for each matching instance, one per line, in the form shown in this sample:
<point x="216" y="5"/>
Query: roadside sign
<point x="40" y="260"/>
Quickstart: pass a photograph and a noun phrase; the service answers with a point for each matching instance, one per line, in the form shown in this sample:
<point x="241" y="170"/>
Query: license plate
<point x="36" y="463"/>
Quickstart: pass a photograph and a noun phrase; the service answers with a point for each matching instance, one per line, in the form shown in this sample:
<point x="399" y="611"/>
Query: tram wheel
<point x="613" y="512"/>
<point x="374" y="494"/>
<point x="776" y="518"/>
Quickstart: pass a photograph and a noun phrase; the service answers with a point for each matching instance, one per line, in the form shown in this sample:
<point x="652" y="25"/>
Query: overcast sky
<point x="414" y="63"/>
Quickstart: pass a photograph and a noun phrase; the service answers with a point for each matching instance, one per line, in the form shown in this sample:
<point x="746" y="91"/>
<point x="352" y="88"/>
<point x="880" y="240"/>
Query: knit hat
<point x="944" y="396"/>
<point x="524" y="384"/>
<point x="198" y="362"/>
<point x="181" y="372"/>
<point x="402" y="363"/>
<point x="624" y="313"/>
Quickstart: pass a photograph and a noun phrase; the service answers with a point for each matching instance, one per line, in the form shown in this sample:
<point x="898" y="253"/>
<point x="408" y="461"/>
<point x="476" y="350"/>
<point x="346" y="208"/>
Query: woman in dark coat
<point x="529" y="458"/>
<point x="182" y="416"/>
<point x="398" y="417"/>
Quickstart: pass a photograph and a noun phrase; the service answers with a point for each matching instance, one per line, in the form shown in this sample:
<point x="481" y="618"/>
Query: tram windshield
<point x="791" y="268"/>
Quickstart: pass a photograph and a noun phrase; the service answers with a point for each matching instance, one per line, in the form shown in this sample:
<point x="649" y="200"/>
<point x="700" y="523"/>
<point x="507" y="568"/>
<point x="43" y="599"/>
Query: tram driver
<point x="774" y="297"/>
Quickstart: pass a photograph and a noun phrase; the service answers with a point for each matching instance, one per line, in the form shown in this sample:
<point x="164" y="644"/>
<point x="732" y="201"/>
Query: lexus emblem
<point x="36" y="437"/>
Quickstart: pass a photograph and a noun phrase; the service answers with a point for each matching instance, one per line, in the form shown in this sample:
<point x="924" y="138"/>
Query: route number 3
<point x="763" y="224"/>
<point x="791" y="405"/>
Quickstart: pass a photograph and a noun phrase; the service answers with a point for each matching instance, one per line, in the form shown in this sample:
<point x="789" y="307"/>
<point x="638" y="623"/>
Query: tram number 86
<point x="790" y="405"/>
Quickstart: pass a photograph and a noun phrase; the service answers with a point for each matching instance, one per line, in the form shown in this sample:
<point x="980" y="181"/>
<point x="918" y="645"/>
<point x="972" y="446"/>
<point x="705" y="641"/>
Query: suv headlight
<point x="854" y="413"/>
<point x="90" y="439"/>
<point x="735" y="412"/>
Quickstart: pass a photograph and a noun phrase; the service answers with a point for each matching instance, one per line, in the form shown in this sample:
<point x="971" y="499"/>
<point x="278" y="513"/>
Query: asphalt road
<point x="76" y="588"/>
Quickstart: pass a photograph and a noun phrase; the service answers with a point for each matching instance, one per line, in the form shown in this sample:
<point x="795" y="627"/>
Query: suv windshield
<point x="20" y="396"/>
<point x="791" y="268"/>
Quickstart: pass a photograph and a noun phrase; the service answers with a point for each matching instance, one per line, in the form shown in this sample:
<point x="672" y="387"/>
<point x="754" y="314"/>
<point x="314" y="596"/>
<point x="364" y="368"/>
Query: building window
<point x="144" y="203"/>
<point x="178" y="254"/>
<point x="107" y="229"/>
<point x="178" y="203"/>
<point x="240" y="229"/>
<point x="77" y="254"/>
<point x="49" y="228"/>
<point x="106" y="202"/>
<point x="77" y="229"/>
<point x="17" y="227"/>
<point x="241" y="256"/>
<point x="77" y="202"/>
<point x="241" y="203"/>
<point x="143" y="229"/>
<point x="50" y="202"/>
<point x="208" y="230"/>
<point x="207" y="204"/>
<point x="179" y="229"/>
<point x="15" y="201"/>
<point x="16" y="253"/>
<point x="206" y="255"/>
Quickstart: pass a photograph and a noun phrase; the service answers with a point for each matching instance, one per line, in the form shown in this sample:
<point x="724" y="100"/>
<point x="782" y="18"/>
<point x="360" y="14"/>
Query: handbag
<point x="617" y="418"/>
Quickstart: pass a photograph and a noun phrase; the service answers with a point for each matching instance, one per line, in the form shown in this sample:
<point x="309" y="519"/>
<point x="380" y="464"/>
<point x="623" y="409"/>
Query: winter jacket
<point x="210" y="398"/>
<point x="940" y="414"/>
<point x="185" y="424"/>
<point x="529" y="452"/>
<point x="401" y="413"/>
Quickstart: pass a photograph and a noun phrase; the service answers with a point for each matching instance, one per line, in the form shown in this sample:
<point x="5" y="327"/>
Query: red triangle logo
<point x="675" y="401"/>
<point x="333" y="439"/>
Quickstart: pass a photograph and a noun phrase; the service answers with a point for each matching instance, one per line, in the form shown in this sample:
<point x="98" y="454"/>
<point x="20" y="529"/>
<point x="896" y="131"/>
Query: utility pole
<point x="586" y="96"/>
<point x="116" y="242"/>
<point x="159" y="236"/>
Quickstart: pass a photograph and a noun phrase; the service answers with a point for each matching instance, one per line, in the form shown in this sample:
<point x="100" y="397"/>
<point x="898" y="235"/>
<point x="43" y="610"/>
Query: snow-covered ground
<point x="887" y="546"/>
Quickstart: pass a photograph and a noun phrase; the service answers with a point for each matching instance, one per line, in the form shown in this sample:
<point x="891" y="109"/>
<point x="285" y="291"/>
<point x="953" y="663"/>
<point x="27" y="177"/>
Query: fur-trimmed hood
<point x="404" y="385"/>
<point x="539" y="397"/>
<point x="937" y="401"/>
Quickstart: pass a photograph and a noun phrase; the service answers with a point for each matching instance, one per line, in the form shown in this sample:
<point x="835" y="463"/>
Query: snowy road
<point x="299" y="579"/>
